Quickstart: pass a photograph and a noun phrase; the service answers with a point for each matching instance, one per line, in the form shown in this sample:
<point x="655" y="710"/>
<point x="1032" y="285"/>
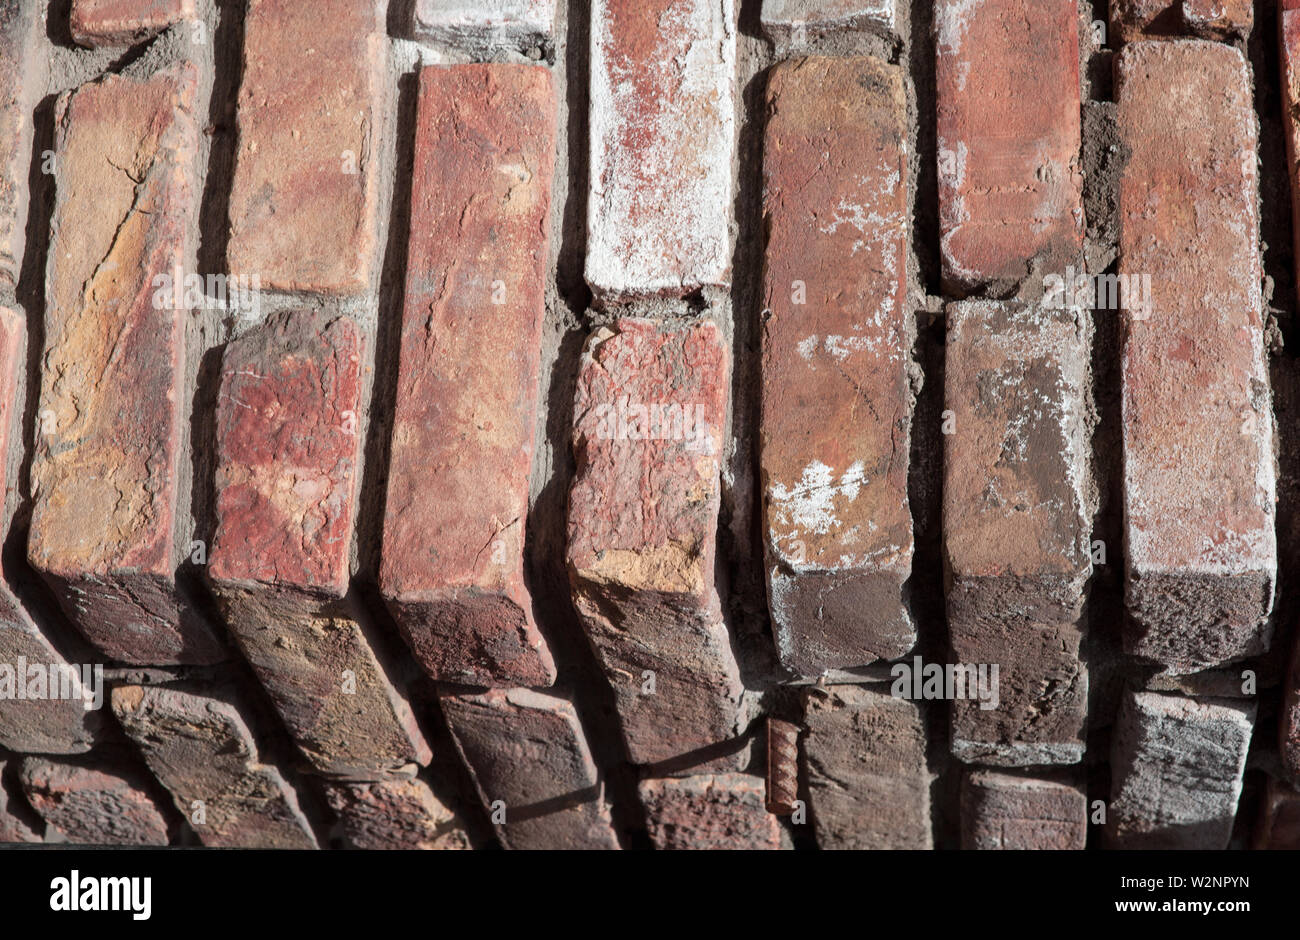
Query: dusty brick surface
<point x="20" y="70"/>
<point x="1219" y="19"/>
<point x="835" y="491"/>
<point x="123" y="22"/>
<point x="864" y="756"/>
<point x="305" y="196"/>
<point x="106" y="472"/>
<point x="642" y="525"/>
<point x="1176" y="771"/>
<point x="1213" y="19"/>
<point x="200" y="749"/>
<point x="662" y="125"/>
<point x="1010" y="187"/>
<point x="93" y="806"/>
<point x="464" y="426"/>
<point x="784" y="19"/>
<point x="395" y="815"/>
<point x="529" y="758"/>
<point x="476" y="24"/>
<point x="1198" y="468"/>
<point x="1017" y="522"/>
<point x="1279" y="820"/>
<point x="709" y="812"/>
<point x="999" y="811"/>
<point x="289" y="446"/>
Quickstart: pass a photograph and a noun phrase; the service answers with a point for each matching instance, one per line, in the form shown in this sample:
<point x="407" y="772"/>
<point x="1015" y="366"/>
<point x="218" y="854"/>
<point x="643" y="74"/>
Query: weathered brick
<point x="527" y="750"/>
<point x="199" y="748"/>
<point x="452" y="568"/>
<point x="1214" y="19"/>
<point x="868" y="784"/>
<point x="1017" y="521"/>
<point x="1010" y="185"/>
<point x="107" y="514"/>
<point x="837" y="518"/>
<point x="662" y="124"/>
<point x="1219" y="19"/>
<point x="1176" y="771"/>
<point x="650" y="412"/>
<point x="124" y="22"/>
<point x="480" y="24"/>
<point x="1279" y="818"/>
<point x="305" y="197"/>
<point x="49" y="724"/>
<point x="17" y="823"/>
<point x="93" y="804"/>
<point x="785" y="19"/>
<point x="395" y="815"/>
<point x="21" y="79"/>
<point x="288" y="456"/>
<point x="999" y="811"/>
<point x="709" y="812"/>
<point x="1201" y="553"/>
<point x="1289" y="80"/>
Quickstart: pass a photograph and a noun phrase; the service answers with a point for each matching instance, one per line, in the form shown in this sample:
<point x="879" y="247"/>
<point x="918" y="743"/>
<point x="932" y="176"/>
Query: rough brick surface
<point x="19" y="21"/>
<point x="1289" y="68"/>
<point x="395" y="815"/>
<point x="305" y="197"/>
<point x="643" y="519"/>
<point x="200" y="749"/>
<point x="452" y="569"/>
<point x="17" y="823"/>
<point x="868" y="785"/>
<point x="1198" y="426"/>
<point x="1279" y="821"/>
<point x="92" y="806"/>
<point x="662" y="127"/>
<point x="105" y="476"/>
<point x="784" y="19"/>
<point x="1176" y="771"/>
<point x="835" y="493"/>
<point x="529" y="758"/>
<point x="1010" y="187"/>
<point x="289" y="445"/>
<point x="1219" y="19"/>
<point x="1289" y="720"/>
<point x="709" y="812"/>
<point x="1017" y="522"/>
<point x="123" y="22"/>
<point x="1213" y="19"/>
<point x="477" y="24"/>
<point x="999" y="811"/>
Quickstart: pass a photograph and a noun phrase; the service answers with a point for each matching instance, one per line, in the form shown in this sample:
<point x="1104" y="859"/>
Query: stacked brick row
<point x="198" y="483"/>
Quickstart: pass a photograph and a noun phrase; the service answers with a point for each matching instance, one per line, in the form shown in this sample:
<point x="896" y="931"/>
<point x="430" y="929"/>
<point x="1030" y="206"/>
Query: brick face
<point x="1198" y="481"/>
<point x="662" y="124"/>
<point x="837" y="519"/>
<point x="784" y="19"/>
<point x="90" y="806"/>
<point x="468" y="381"/>
<point x="476" y="24"/>
<point x="18" y="73"/>
<point x="304" y="201"/>
<point x="1021" y="814"/>
<point x="122" y="22"/>
<point x="106" y="476"/>
<point x="710" y="812"/>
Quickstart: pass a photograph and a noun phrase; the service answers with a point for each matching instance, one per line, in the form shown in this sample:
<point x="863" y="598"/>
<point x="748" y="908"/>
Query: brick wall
<point x="649" y="423"/>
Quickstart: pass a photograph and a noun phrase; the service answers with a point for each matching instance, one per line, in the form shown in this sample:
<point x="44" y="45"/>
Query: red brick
<point x="1279" y="818"/>
<point x="868" y="785"/>
<point x="709" y="812"/>
<point x="200" y="749"/>
<point x="464" y="426"/>
<point x="94" y="805"/>
<point x="1213" y="19"/>
<point x="1010" y="186"/>
<point x="837" y="518"/>
<point x="1176" y="771"/>
<point x="1219" y="19"/>
<point x="1289" y="63"/>
<point x="109" y="509"/>
<point x="289" y="450"/>
<point x="1019" y="813"/>
<point x="1018" y="501"/>
<point x="785" y="19"/>
<point x="395" y="815"/>
<point x="643" y="520"/>
<point x="662" y="124"/>
<point x="1198" y="481"/>
<point x="44" y="725"/>
<point x="475" y="25"/>
<point x="1131" y="19"/>
<point x="305" y="198"/>
<point x="21" y="79"/>
<point x="527" y="750"/>
<point x="123" y="22"/>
